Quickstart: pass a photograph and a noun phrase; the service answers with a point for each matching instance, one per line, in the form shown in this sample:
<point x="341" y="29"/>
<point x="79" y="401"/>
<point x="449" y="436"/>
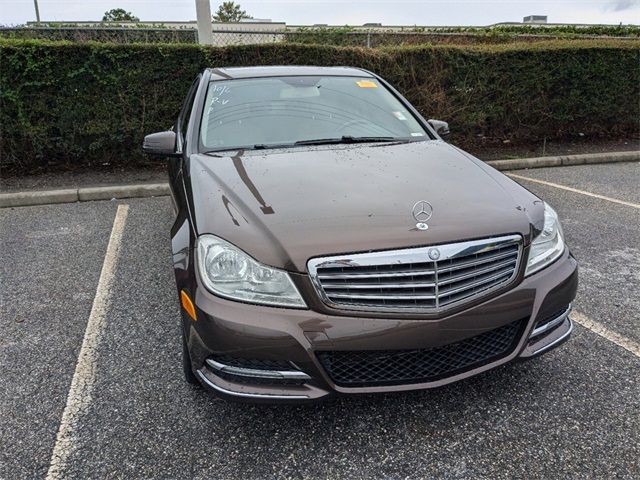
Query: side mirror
<point x="161" y="144"/>
<point x="441" y="128"/>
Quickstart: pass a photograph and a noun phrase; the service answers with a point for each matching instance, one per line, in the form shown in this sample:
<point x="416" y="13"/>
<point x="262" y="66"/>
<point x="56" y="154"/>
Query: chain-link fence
<point x="223" y="38"/>
<point x="324" y="36"/>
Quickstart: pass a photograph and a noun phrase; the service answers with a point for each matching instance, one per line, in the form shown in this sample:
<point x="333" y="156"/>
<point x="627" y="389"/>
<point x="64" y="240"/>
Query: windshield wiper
<point x="346" y="139"/>
<point x="318" y="141"/>
<point x="264" y="146"/>
<point x="259" y="146"/>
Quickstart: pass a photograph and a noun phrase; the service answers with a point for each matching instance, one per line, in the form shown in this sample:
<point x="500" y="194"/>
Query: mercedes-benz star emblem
<point x="434" y="254"/>
<point x="422" y="212"/>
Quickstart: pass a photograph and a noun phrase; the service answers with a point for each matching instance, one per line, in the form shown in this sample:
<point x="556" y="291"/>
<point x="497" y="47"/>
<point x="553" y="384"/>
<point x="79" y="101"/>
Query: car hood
<point x="286" y="206"/>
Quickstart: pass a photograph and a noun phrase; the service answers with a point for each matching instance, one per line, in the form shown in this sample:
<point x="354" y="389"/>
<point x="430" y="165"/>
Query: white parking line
<point x="79" y="396"/>
<point x="575" y="190"/>
<point x="604" y="332"/>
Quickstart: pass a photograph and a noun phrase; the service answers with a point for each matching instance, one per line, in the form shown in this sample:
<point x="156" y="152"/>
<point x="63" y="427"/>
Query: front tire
<point x="187" y="367"/>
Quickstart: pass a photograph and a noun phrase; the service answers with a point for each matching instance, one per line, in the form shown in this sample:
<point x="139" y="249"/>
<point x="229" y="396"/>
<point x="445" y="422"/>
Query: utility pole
<point x="203" y="16"/>
<point x="35" y="4"/>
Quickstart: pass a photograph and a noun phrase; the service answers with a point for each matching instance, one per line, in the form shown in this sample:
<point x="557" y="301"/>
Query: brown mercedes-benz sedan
<point x="328" y="240"/>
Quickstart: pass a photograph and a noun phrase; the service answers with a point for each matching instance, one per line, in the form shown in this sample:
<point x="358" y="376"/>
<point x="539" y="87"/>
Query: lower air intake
<point x="397" y="367"/>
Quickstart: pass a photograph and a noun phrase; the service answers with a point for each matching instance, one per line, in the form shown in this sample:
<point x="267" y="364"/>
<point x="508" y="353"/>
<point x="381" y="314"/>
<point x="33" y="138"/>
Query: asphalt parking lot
<point x="573" y="413"/>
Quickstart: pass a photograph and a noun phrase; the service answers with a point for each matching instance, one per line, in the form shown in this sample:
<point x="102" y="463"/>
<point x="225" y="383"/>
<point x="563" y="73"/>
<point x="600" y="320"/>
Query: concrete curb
<point x="23" y="199"/>
<point x="123" y="191"/>
<point x="20" y="199"/>
<point x="565" y="160"/>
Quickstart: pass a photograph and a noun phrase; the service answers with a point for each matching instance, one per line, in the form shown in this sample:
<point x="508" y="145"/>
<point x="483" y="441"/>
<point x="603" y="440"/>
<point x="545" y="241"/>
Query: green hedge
<point x="83" y="104"/>
<point x="358" y="37"/>
<point x="102" y="34"/>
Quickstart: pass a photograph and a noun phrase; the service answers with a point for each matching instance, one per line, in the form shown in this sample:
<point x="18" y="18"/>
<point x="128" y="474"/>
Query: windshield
<point x="283" y="111"/>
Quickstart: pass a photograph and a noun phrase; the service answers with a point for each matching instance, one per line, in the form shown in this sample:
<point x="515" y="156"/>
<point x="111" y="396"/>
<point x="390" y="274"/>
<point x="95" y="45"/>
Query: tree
<point x="119" y="15"/>
<point x="230" y="12"/>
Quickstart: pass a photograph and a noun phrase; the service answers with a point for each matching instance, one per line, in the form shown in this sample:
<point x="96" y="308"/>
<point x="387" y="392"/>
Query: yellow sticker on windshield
<point x="366" y="84"/>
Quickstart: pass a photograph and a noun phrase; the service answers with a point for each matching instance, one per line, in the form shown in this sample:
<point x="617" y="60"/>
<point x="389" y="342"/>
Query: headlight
<point x="229" y="272"/>
<point x="547" y="246"/>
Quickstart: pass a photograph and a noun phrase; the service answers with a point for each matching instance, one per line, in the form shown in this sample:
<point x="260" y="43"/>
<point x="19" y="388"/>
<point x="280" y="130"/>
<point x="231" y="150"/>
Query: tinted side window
<point x="185" y="114"/>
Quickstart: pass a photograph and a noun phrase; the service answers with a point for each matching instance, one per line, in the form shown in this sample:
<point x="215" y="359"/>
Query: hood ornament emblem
<point x="422" y="212"/>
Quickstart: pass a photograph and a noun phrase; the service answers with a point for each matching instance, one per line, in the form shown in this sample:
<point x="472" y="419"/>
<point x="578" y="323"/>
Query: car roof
<point x="231" y="73"/>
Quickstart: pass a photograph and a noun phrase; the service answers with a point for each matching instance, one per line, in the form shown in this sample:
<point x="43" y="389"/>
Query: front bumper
<point x="540" y="304"/>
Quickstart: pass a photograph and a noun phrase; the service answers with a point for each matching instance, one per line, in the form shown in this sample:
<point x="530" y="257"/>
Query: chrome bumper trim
<point x="557" y="340"/>
<point x="257" y="373"/>
<point x="224" y="391"/>
<point x="552" y="324"/>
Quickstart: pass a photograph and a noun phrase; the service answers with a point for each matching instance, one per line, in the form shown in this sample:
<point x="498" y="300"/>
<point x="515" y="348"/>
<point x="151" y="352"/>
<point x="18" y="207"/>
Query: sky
<point x="335" y="12"/>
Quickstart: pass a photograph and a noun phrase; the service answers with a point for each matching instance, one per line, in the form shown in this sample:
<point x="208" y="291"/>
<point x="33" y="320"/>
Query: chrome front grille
<point x="425" y="279"/>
